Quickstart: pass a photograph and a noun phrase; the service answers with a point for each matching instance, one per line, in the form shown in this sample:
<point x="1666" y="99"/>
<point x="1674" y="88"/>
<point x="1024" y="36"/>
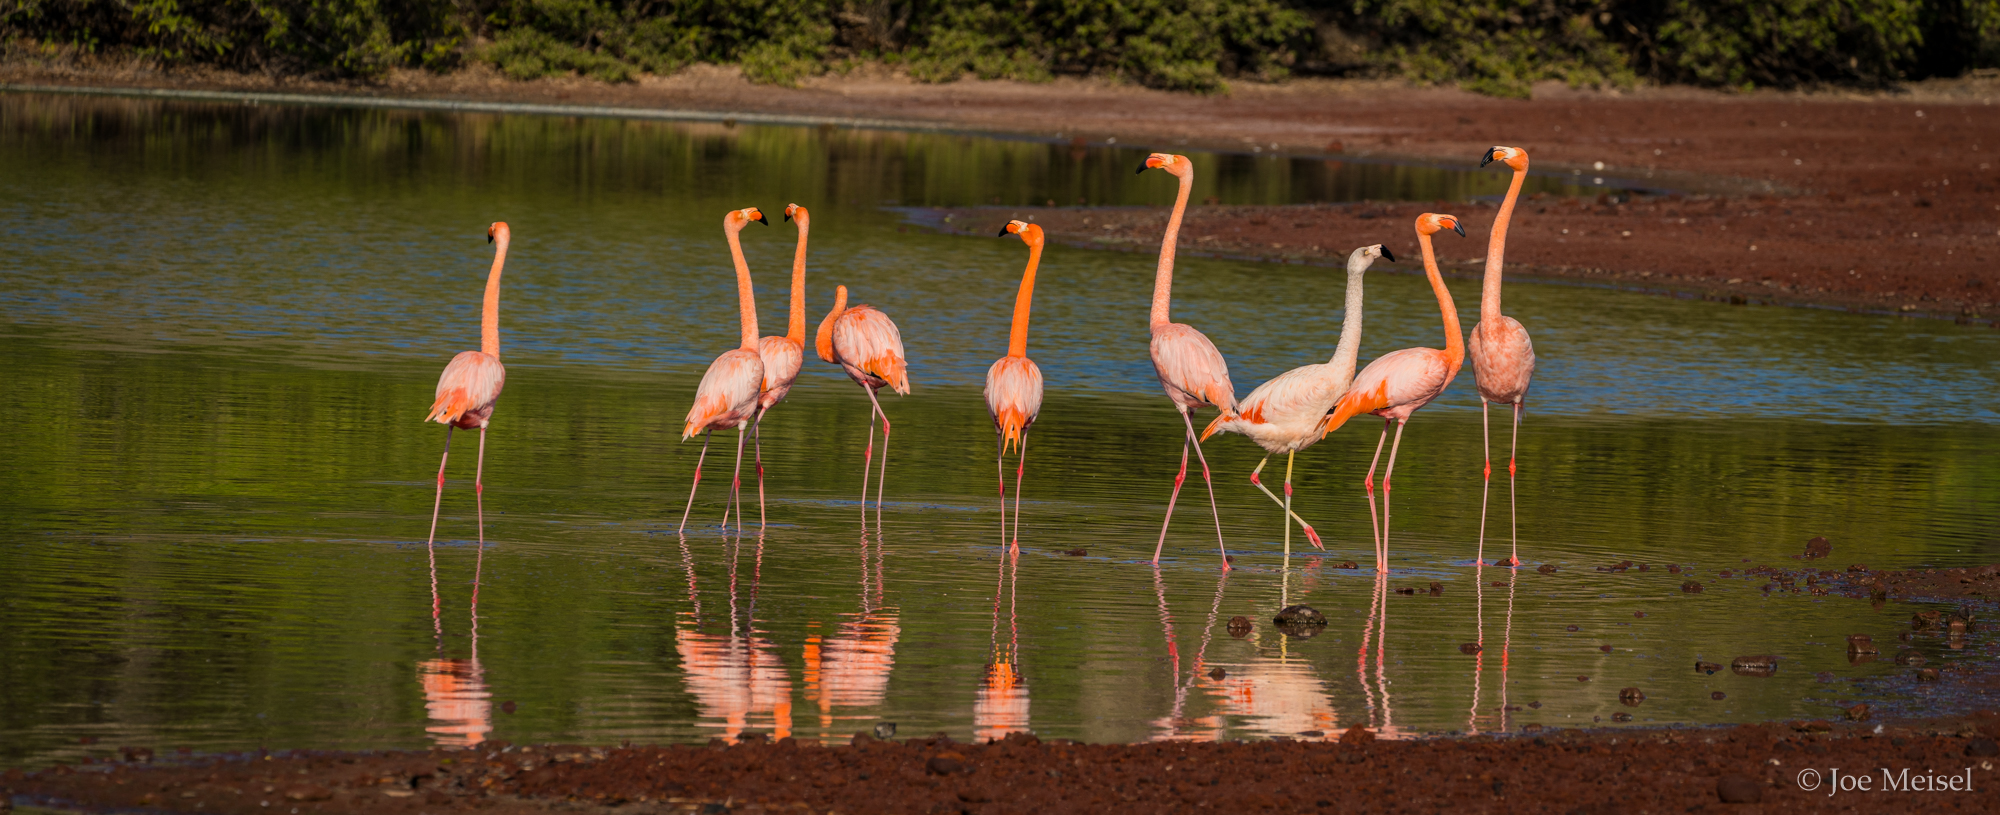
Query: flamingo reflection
<point x="1177" y="725"/>
<point x="456" y="701"/>
<point x="1499" y="718"/>
<point x="850" y="668"/>
<point x="1273" y="694"/>
<point x="1002" y="706"/>
<point x="736" y="678"/>
<point x="1382" y="718"/>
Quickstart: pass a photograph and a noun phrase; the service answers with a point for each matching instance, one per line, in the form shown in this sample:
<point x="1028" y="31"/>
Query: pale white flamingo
<point x="1396" y="384"/>
<point x="782" y="356"/>
<point x="1503" y="360"/>
<point x="1014" y="384"/>
<point x="727" y="396"/>
<point x="1192" y="371"/>
<point x="864" y="342"/>
<point x="467" y="391"/>
<point x="1285" y="415"/>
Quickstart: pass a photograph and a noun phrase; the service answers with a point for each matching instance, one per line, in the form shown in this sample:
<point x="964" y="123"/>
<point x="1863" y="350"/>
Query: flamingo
<point x="1014" y="384"/>
<point x="1503" y="360"/>
<point x="1396" y="384"/>
<point x="1192" y="371"/>
<point x="1284" y="415"/>
<point x="727" y="396"/>
<point x="864" y="342"/>
<point x="782" y="356"/>
<point x="467" y="391"/>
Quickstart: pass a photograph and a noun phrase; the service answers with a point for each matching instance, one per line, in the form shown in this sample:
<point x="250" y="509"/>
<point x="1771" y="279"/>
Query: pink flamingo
<point x="1284" y="415"/>
<point x="1192" y="371"/>
<point x="727" y="396"/>
<point x="1396" y="384"/>
<point x="864" y="342"/>
<point x="782" y="356"/>
<point x="468" y="390"/>
<point x="1503" y="360"/>
<point x="1014" y="384"/>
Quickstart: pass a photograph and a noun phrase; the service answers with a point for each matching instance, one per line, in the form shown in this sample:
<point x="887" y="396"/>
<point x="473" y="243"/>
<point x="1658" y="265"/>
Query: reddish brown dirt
<point x="1886" y="202"/>
<point x="1572" y="771"/>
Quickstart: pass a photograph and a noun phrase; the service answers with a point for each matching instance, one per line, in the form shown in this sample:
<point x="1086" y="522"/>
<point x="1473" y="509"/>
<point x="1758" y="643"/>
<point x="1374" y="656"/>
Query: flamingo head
<point x="1367" y="254"/>
<point x="1030" y="233"/>
<point x="794" y="212"/>
<point x="1179" y="166"/>
<point x="498" y="233"/>
<point x="1514" y="157"/>
<point x="739" y="218"/>
<point x="1431" y="223"/>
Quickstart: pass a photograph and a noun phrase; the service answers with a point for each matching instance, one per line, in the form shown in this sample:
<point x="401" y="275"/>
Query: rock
<point x="885" y="730"/>
<point x="1910" y="656"/>
<point x="1405" y="590"/>
<point x="1725" y="573"/>
<point x="1531" y="728"/>
<point x="862" y="740"/>
<point x="1298" y="615"/>
<point x="1858" y="713"/>
<point x="1581" y="678"/>
<point x="1217" y="674"/>
<point x="1674" y="568"/>
<point x="1706" y="667"/>
<point x="508" y="706"/>
<point x="1078" y="553"/>
<point x="1571" y="628"/>
<point x="1535" y="704"/>
<point x="1347" y="564"/>
<point x="1927" y="675"/>
<point x="1631" y="697"/>
<point x="974" y="796"/>
<point x="1718" y="696"/>
<point x="1861" y="644"/>
<point x="1738" y="789"/>
<point x="1818" y="548"/>
<point x="1761" y="665"/>
<point x="1857" y="568"/>
<point x="1823" y="677"/>
<point x="1604" y="648"/>
<point x="1639" y="614"/>
<point x="1240" y="626"/>
<point x="1926" y="620"/>
<point x="1691" y="587"/>
<point x="1470" y="648"/>
<point x="1546" y="568"/>
<point x="1621" y="716"/>
<point x="1982" y="748"/>
<point x="1436" y="587"/>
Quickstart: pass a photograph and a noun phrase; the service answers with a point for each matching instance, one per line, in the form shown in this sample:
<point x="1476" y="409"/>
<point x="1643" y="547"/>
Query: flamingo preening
<point x="1503" y="360"/>
<point x="727" y="396"/>
<point x="782" y="356"/>
<point x="864" y="342"/>
<point x="468" y="389"/>
<point x="1396" y="384"/>
<point x="1014" y="385"/>
<point x="1192" y="371"/>
<point x="1285" y="414"/>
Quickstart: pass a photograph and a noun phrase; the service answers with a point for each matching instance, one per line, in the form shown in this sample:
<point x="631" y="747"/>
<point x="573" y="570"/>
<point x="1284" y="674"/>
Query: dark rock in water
<point x="509" y="706"/>
<point x="1761" y="665"/>
<point x="1674" y="568"/>
<point x="1405" y="590"/>
<point x="1927" y="675"/>
<point x="1725" y="573"/>
<point x="1860" y="659"/>
<point x="1621" y="716"/>
<point x="1300" y="615"/>
<point x="1631" y="697"/>
<point x="1910" y="656"/>
<point x="1718" y="696"/>
<point x="1644" y="567"/>
<point x="1077" y="552"/>
<point x="1861" y="644"/>
<point x="1982" y="748"/>
<point x="1239" y="627"/>
<point x="1904" y="636"/>
<point x="1926" y="620"/>
<point x="1570" y="628"/>
<point x="1824" y="677"/>
<point x="1436" y="587"/>
<point x="1217" y="674"/>
<point x="1818" y="548"/>
<point x="1499" y="584"/>
<point x="1470" y="648"/>
<point x="1531" y="728"/>
<point x="1347" y="564"/>
<point x="1709" y="668"/>
<point x="1604" y="648"/>
<point x="1583" y="679"/>
<point x="885" y="730"/>
<point x="1535" y="704"/>
<point x="1739" y="789"/>
<point x="1546" y="568"/>
<point x="861" y="740"/>
<point x="1639" y="614"/>
<point x="1858" y="713"/>
<point x="1857" y="567"/>
<point x="1691" y="587"/>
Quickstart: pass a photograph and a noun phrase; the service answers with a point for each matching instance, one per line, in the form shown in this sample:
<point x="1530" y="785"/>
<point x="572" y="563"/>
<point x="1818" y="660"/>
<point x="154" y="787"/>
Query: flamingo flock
<point x="1289" y="413"/>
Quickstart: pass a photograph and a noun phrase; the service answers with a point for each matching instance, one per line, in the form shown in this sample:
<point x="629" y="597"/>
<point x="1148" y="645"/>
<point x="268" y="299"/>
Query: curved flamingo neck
<point x="1496" y="248"/>
<point x="746" y="299"/>
<point x="795" y="330"/>
<point x="823" y="341"/>
<point x="1454" y="339"/>
<point x="1017" y="341"/>
<point x="1163" y="281"/>
<point x="489" y="315"/>
<point x="1348" y="352"/>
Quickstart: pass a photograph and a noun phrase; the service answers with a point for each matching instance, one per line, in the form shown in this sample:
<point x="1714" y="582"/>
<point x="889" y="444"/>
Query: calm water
<point x="219" y="327"/>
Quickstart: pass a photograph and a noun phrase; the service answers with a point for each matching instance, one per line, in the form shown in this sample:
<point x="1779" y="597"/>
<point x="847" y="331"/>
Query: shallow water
<point x="220" y="325"/>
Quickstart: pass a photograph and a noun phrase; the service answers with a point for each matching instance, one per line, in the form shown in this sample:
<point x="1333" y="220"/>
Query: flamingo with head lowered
<point x="865" y="343"/>
<point x="727" y="396"/>
<point x="1285" y="414"/>
<point x="469" y="388"/>
<point x="1503" y="360"/>
<point x="1014" y="384"/>
<point x="1396" y="384"/>
<point x="1190" y="368"/>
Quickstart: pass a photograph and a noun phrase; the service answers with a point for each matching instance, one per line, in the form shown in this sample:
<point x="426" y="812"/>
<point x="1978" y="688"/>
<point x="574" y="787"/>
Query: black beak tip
<point x="1391" y="256"/>
<point x="489" y="237"/>
<point x="1003" y="233"/>
<point x="1459" y="228"/>
<point x="1488" y="159"/>
<point x="788" y="217"/>
<point x="1142" y="168"/>
<point x="763" y="220"/>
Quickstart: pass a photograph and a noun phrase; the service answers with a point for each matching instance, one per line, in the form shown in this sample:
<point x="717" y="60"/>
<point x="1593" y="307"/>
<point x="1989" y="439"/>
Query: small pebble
<point x="1583" y="679"/>
<point x="1718" y="696"/>
<point x="1604" y="648"/>
<point x="1570" y="628"/>
<point x="1217" y="674"/>
<point x="1470" y="648"/>
<point x="1546" y="568"/>
<point x="1077" y="552"/>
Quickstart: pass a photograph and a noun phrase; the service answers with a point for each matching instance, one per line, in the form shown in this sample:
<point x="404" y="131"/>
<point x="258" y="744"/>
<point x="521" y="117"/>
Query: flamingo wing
<point x="1503" y="360"/>
<point x="728" y="393"/>
<point x="467" y="390"/>
<point x="1409" y="378"/>
<point x="1191" y="369"/>
<point x="1013" y="396"/>
<point x="867" y="339"/>
<point x="1301" y="396"/>
<point x="782" y="359"/>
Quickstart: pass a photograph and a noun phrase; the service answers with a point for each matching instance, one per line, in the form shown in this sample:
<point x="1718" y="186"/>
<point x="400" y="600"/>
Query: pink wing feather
<point x="1191" y="370"/>
<point x="727" y="396"/>
<point x="1013" y="396"/>
<point x="781" y="358"/>
<point x="866" y="340"/>
<point x="467" y="390"/>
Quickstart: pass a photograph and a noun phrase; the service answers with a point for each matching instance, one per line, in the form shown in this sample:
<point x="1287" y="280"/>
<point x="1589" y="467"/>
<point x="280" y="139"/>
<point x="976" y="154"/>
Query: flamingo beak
<point x="1003" y="231"/>
<point x="788" y="217"/>
<point x="1144" y="167"/>
<point x="1387" y="254"/>
<point x="489" y="236"/>
<point x="1458" y="227"/>
<point x="762" y="220"/>
<point x="1488" y="159"/>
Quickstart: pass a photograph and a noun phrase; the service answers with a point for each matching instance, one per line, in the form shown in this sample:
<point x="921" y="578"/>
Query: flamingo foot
<point x="1514" y="562"/>
<point x="1314" y="537"/>
<point x="1225" y="563"/>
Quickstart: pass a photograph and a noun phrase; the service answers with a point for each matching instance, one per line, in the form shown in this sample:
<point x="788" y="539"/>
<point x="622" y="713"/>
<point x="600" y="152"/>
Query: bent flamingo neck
<point x="823" y="341"/>
<point x="1017" y="341"/>
<point x="489" y="315"/>
<point x="1348" y="352"/>
<point x="795" y="330"/>
<point x="746" y="299"/>
<point x="1454" y="339"/>
<point x="1496" y="247"/>
<point x="1163" y="280"/>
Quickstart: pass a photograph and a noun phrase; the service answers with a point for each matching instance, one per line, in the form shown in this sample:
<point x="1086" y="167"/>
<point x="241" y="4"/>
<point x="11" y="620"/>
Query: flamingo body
<point x="1191" y="369"/>
<point x="1284" y="415"/>
<point x="867" y="345"/>
<point x="782" y="358"/>
<point x="468" y="390"/>
<point x="1503" y="360"/>
<point x="1398" y="383"/>
<point x="1013" y="396"/>
<point x="727" y="396"/>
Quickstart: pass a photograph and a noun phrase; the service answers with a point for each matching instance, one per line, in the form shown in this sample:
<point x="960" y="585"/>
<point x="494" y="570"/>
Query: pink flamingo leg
<point x="1368" y="484"/>
<point x="1020" y="472"/>
<point x="1513" y="522"/>
<point x="1210" y="482"/>
<point x="736" y="482"/>
<point x="758" y="429"/>
<point x="1486" y="482"/>
<point x="1000" y="469"/>
<point x="438" y="502"/>
<point x="882" y="481"/>
<point x="479" y="488"/>
<point x="1388" y="474"/>
<point x="1179" y="478"/>
<point x="867" y="456"/>
<point x="697" y="481"/>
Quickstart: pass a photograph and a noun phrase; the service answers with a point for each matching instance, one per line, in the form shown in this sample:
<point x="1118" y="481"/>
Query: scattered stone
<point x="1347" y="564"/>
<point x="1818" y="548"/>
<point x="1298" y="615"/>
<point x="1706" y="667"/>
<point x="1217" y="674"/>
<point x="1691" y="587"/>
<point x="1674" y="568"/>
<point x="1405" y="590"/>
<point x="1644" y="567"/>
<point x="1531" y="728"/>
<point x="1910" y="657"/>
<point x="1857" y="568"/>
<point x="1583" y="679"/>
<point x="1078" y="553"/>
<point x="1738" y="789"/>
<point x="1927" y="675"/>
<point x="508" y="706"/>
<point x="1499" y="584"/>
<point x="1639" y="614"/>
<point x="1546" y="568"/>
<point x="1631" y="697"/>
<point x="1536" y="705"/>
<point x="1824" y="677"/>
<point x="1725" y="573"/>
<point x="1861" y="644"/>
<point x="1858" y="713"/>
<point x="974" y="795"/>
<point x="1926" y="620"/>
<point x="1470" y="648"/>
<point x="1621" y="716"/>
<point x="1718" y="696"/>
<point x="1436" y="587"/>
<point x="1240" y="626"/>
<point x="1604" y="648"/>
<point x="885" y="730"/>
<point x="1571" y="628"/>
<point x="1982" y="748"/>
<point x="308" y="792"/>
<point x="1357" y="736"/>
<point x="1761" y="665"/>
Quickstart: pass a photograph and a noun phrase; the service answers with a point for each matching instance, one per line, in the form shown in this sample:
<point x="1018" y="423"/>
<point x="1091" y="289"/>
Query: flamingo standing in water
<point x="1192" y="371"/>
<point x="782" y="356"/>
<point x="1284" y="415"/>
<point x="727" y="396"/>
<point x="1396" y="384"/>
<point x="468" y="389"/>
<point x="1502" y="358"/>
<point x="1014" y="384"/>
<point x="864" y="342"/>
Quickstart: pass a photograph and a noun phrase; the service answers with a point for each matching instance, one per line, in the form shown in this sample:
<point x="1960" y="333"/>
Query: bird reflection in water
<point x="736" y="678"/>
<point x="456" y="701"/>
<point x="1002" y="705"/>
<point x="1499" y="719"/>
<point x="850" y="668"/>
<point x="1177" y="725"/>
<point x="1382" y="718"/>
<point x="1273" y="694"/>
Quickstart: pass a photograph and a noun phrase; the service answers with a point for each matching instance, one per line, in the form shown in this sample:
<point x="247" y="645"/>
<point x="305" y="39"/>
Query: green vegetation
<point x="1493" y="46"/>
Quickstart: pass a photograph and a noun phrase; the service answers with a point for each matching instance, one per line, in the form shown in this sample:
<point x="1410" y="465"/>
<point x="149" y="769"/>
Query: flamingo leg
<point x="1486" y="482"/>
<point x="1179" y="478"/>
<point x="1310" y="534"/>
<point x="1020" y="472"/>
<point x="868" y="456"/>
<point x="1000" y="469"/>
<point x="1388" y="474"/>
<point x="882" y="481"/>
<point x="736" y="480"/>
<point x="1374" y="522"/>
<point x="697" y="480"/>
<point x="438" y="502"/>
<point x="479" y="489"/>
<point x="757" y="429"/>
<point x="1288" y="510"/>
<point x="1210" y="483"/>
<point x="1513" y="523"/>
